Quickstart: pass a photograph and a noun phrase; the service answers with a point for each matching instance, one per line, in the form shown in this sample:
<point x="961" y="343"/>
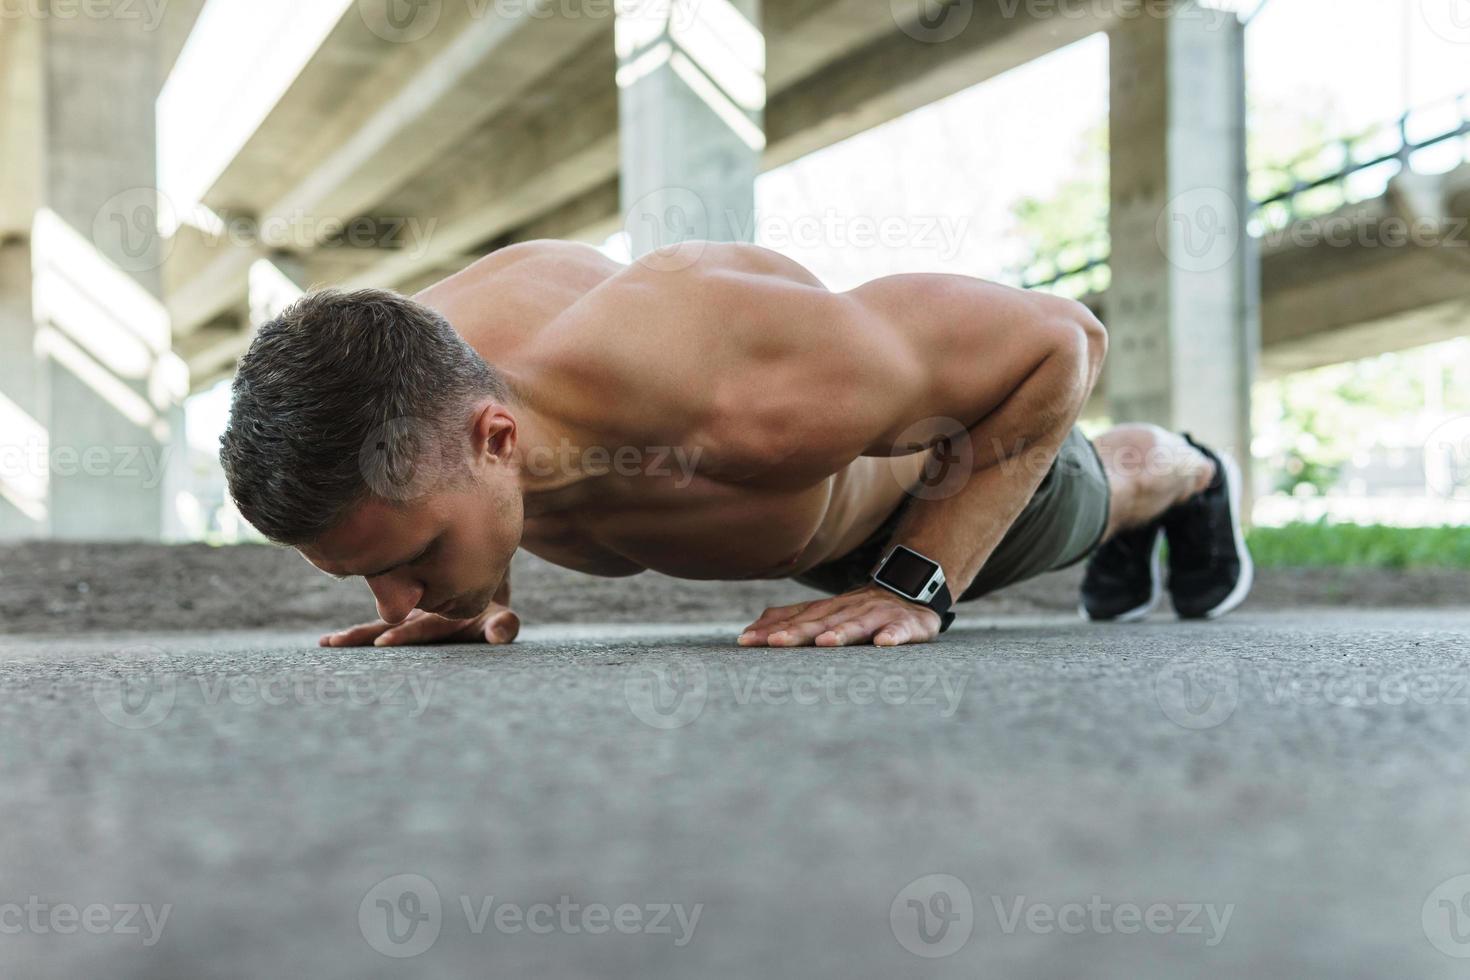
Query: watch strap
<point x="940" y="603"/>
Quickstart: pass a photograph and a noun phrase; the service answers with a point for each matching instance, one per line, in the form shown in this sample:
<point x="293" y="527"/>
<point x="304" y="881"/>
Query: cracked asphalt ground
<point x="1276" y="794"/>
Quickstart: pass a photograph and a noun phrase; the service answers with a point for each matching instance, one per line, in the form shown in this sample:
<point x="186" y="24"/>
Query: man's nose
<point x="396" y="597"/>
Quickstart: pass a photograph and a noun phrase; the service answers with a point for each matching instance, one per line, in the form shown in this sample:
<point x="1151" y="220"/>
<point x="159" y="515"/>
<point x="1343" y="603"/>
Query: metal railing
<point x="1315" y="183"/>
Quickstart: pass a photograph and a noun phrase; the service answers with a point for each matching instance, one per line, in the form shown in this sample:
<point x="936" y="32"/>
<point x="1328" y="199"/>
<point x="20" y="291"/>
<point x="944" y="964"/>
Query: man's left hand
<point x="867" y="614"/>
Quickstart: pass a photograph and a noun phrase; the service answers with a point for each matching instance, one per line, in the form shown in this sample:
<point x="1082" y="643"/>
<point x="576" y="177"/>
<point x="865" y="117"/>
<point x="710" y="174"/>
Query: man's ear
<point x="493" y="431"/>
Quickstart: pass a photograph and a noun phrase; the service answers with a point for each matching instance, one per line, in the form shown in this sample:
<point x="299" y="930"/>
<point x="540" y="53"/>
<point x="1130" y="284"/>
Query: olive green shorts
<point x="1061" y="525"/>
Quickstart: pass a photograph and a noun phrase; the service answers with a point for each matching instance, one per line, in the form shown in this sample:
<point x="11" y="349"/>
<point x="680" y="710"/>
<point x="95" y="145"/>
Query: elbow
<point x="1080" y="341"/>
<point x="1084" y="338"/>
<point x="1094" y="336"/>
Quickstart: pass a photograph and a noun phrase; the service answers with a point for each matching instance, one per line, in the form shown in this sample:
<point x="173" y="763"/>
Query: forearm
<point x="1008" y="453"/>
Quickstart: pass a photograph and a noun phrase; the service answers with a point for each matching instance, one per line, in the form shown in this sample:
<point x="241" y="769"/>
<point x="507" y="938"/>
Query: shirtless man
<point x="712" y="411"/>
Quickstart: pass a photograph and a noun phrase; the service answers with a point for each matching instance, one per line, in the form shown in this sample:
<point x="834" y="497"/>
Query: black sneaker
<point x="1210" y="570"/>
<point x="1123" y="580"/>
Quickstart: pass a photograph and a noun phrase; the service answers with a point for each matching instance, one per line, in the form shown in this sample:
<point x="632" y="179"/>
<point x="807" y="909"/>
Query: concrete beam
<point x="591" y="218"/>
<point x="905" y="69"/>
<point x="337" y="140"/>
<point x="206" y="272"/>
<point x="1355" y="284"/>
<point x="204" y="275"/>
<point x="1379" y="275"/>
<point x="529" y="160"/>
<point x="803" y="35"/>
<point x="421" y="102"/>
<point x="211" y="353"/>
<point x="560" y="143"/>
<point x="535" y="158"/>
<point x="1369" y="338"/>
<point x="352" y="72"/>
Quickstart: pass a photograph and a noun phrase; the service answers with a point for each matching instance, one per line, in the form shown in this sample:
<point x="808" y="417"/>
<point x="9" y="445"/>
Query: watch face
<point x="907" y="571"/>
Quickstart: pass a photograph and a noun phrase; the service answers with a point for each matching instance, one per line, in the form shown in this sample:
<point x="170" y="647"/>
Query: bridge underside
<point x="395" y="160"/>
<point x="494" y="132"/>
<point x="1377" y="276"/>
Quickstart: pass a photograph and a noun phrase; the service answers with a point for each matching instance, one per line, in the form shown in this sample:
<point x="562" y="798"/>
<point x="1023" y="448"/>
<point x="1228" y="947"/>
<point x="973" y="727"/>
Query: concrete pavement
<point x="1277" y="794"/>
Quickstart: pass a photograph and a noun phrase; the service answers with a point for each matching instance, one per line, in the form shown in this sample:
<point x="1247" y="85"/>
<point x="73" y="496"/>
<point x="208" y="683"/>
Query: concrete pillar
<point x="691" y="100"/>
<point x="80" y="302"/>
<point x="23" y="471"/>
<point x="1182" y="310"/>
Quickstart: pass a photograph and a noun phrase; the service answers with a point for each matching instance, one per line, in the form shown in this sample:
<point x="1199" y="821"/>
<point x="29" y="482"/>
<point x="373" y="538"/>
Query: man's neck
<point x="552" y="460"/>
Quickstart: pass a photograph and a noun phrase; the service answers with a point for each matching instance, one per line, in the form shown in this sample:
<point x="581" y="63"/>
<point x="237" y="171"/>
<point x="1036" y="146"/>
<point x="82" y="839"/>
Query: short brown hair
<point x="341" y="398"/>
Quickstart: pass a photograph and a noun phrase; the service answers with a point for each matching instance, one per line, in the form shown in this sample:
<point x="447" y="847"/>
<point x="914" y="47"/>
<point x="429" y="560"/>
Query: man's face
<point x="446" y="552"/>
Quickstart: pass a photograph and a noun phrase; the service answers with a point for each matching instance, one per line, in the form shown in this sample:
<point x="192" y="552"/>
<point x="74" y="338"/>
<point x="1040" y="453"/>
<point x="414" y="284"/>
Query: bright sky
<point x="936" y="185"/>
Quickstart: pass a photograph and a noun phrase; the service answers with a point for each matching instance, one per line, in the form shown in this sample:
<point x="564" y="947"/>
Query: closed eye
<point x="429" y="549"/>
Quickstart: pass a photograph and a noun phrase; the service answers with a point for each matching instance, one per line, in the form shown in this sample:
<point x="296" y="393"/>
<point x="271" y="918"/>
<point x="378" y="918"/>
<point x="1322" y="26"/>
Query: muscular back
<point x="789" y="396"/>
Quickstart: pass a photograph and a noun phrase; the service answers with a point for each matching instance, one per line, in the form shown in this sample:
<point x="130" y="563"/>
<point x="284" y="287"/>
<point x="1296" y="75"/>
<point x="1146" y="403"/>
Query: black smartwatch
<point x="905" y="572"/>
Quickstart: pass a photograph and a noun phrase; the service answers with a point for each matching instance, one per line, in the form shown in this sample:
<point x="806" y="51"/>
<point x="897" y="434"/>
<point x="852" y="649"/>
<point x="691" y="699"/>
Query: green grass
<point x="1360" y="545"/>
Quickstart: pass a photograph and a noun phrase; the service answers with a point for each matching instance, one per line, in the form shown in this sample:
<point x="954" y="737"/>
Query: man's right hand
<point x="497" y="624"/>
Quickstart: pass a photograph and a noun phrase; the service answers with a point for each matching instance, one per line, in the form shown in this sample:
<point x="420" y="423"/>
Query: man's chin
<point x="468" y="607"/>
<point x="450" y="609"/>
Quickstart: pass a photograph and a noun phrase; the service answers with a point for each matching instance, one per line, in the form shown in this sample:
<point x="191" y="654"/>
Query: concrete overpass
<point x="1383" y="275"/>
<point x="1380" y="275"/>
<point x="391" y="142"/>
<point x="503" y="129"/>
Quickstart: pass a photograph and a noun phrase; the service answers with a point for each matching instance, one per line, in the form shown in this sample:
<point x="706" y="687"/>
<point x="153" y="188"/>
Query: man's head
<point x="366" y="433"/>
